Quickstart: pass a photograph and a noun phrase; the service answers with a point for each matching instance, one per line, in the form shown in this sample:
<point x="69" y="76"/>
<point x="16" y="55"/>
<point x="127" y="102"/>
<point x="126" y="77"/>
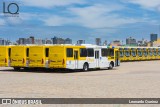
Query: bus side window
<point x="90" y="52"/>
<point x="9" y="52"/>
<point x="104" y="52"/>
<point x="69" y="52"/>
<point x="83" y="52"/>
<point x="111" y="52"/>
<point x="47" y="52"/>
<point x="27" y="52"/>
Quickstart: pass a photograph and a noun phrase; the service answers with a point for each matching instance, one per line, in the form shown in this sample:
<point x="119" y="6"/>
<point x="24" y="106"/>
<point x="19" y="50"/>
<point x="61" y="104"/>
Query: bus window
<point x="9" y="52"/>
<point x="83" y="52"/>
<point x="90" y="52"/>
<point x="139" y="53"/>
<point x="150" y="52"/>
<point x="121" y="52"/>
<point x="27" y="52"/>
<point x="47" y="52"/>
<point x="127" y="53"/>
<point x="159" y="52"/>
<point x="104" y="52"/>
<point x="111" y="52"/>
<point x="133" y="53"/>
<point x="145" y="53"/>
<point x="69" y="52"/>
<point x="155" y="52"/>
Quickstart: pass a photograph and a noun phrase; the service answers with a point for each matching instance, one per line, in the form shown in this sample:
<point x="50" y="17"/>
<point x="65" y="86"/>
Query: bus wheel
<point x="17" y="68"/>
<point x="110" y="66"/>
<point x="85" y="67"/>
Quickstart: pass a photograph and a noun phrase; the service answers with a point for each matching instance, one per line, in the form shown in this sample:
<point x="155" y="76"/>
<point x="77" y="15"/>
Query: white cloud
<point x="51" y="3"/>
<point x="148" y="4"/>
<point x="99" y="15"/>
<point x="96" y="16"/>
<point x="57" y="21"/>
<point x="2" y="22"/>
<point x="21" y="18"/>
<point x="13" y="20"/>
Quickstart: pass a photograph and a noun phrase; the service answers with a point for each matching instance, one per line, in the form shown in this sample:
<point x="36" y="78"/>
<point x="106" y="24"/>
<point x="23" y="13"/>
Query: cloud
<point x="95" y="16"/>
<point x="22" y="18"/>
<point x="100" y="15"/>
<point x="148" y="4"/>
<point x="51" y="3"/>
<point x="2" y="22"/>
<point x="57" y="21"/>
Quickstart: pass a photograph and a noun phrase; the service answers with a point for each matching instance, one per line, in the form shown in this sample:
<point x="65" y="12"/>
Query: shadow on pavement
<point x="38" y="70"/>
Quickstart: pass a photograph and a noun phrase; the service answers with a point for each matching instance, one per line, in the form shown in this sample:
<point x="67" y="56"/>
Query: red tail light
<point x="42" y="61"/>
<point x="63" y="62"/>
<point x="23" y="61"/>
<point x="5" y="60"/>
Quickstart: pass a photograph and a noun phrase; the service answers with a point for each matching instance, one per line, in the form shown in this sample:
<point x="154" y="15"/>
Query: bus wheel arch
<point x="85" y="66"/>
<point x="16" y="68"/>
<point x="111" y="65"/>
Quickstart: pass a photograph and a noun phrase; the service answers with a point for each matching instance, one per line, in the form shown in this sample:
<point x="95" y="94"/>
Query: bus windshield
<point x="139" y="53"/>
<point x="121" y="54"/>
<point x="134" y="53"/>
<point x="127" y="53"/>
<point x="145" y="53"/>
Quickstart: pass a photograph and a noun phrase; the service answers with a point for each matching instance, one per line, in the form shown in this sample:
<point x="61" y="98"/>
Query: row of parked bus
<point x="59" y="56"/>
<point x="139" y="53"/>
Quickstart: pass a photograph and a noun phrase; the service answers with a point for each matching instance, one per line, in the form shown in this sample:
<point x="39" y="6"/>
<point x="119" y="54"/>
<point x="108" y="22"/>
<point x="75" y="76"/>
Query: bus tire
<point x="17" y="68"/>
<point x="111" y="65"/>
<point x="26" y="68"/>
<point x="85" y="67"/>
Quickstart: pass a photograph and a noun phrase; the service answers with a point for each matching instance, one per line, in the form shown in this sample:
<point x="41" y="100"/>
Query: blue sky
<point x="82" y="19"/>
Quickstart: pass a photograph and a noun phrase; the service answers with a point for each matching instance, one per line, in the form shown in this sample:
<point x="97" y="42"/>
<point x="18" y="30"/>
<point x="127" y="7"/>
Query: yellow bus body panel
<point x="4" y="58"/>
<point x="18" y="56"/>
<point x="37" y="56"/>
<point x="57" y="55"/>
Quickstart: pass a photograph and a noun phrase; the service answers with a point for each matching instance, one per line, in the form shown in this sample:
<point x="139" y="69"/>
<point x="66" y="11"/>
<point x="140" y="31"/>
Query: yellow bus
<point x="155" y="53"/>
<point x="150" y="51"/>
<point x="127" y="54"/>
<point x="121" y="53"/>
<point x="133" y="54"/>
<point x="82" y="57"/>
<point x="112" y="55"/>
<point x="38" y="56"/>
<point x="140" y="53"/>
<point x="4" y="56"/>
<point x="158" y="53"/>
<point x="145" y="54"/>
<point x="19" y="57"/>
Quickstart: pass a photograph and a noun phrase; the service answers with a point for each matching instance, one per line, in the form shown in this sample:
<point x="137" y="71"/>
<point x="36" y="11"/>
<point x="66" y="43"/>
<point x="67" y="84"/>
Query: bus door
<point x="97" y="58"/>
<point x="76" y="58"/>
<point x="117" y="62"/>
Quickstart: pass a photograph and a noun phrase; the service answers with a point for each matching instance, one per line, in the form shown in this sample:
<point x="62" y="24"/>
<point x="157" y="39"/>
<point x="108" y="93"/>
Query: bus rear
<point x="38" y="56"/>
<point x="114" y="56"/>
<point x="57" y="57"/>
<point x="4" y="56"/>
<point x="19" y="55"/>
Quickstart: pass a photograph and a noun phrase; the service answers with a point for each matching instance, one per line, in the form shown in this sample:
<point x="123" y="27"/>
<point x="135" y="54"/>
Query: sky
<point x="82" y="19"/>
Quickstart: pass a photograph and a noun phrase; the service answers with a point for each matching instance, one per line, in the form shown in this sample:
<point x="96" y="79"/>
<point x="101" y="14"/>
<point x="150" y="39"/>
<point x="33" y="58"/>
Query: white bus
<point x="82" y="57"/>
